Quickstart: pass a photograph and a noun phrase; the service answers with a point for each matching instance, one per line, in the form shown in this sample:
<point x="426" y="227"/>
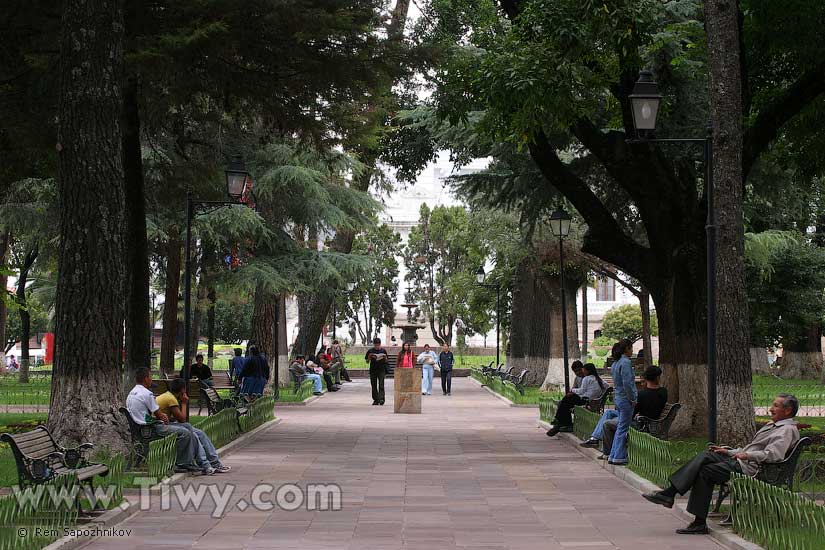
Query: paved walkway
<point x="469" y="473"/>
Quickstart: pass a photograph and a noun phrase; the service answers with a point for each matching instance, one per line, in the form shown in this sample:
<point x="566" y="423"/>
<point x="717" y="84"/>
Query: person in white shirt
<point x="144" y="409"/>
<point x="428" y="360"/>
<point x="592" y="387"/>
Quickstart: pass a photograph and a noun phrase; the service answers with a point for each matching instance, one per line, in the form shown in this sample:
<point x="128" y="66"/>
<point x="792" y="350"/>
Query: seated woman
<point x="592" y="387"/>
<point x="652" y="400"/>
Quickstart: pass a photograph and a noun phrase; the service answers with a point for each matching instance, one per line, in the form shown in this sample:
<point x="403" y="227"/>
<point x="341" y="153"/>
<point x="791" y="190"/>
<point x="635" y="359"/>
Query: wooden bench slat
<point x="38" y="451"/>
<point x="34" y="434"/>
<point x="34" y="443"/>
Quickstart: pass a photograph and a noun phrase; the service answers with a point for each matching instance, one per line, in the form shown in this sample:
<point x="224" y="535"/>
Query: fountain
<point x="410" y="328"/>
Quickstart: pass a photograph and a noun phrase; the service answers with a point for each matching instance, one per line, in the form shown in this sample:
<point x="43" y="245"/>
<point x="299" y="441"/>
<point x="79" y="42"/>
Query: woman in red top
<point x="406" y="359"/>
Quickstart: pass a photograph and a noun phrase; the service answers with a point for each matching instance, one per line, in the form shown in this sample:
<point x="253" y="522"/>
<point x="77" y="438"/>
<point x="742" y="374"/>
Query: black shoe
<point x="448" y="393"/>
<point x="566" y="429"/>
<point x="375" y="403"/>
<point x="552" y="431"/>
<point x="657" y="497"/>
<point x="445" y="393"/>
<point x="333" y="388"/>
<point x="694" y="529"/>
<point x="380" y="402"/>
<point x="592" y="442"/>
<point x="317" y="393"/>
<point x="614" y="463"/>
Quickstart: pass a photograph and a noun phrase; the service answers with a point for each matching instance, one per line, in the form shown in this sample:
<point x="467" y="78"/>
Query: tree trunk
<point x="5" y="239"/>
<point x="283" y="348"/>
<point x="529" y="318"/>
<point x="138" y="353"/>
<point x="210" y="325"/>
<point x="759" y="360"/>
<point x="555" y="369"/>
<point x="87" y="373"/>
<point x="585" y="321"/>
<point x="168" y="339"/>
<point x="803" y="359"/>
<point x="25" y="316"/>
<point x="263" y="324"/>
<point x="735" y="400"/>
<point x="644" y="301"/>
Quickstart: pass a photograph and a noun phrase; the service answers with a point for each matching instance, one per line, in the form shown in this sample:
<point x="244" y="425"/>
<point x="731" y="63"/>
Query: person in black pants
<point x="377" y="358"/>
<point x="445" y="363"/>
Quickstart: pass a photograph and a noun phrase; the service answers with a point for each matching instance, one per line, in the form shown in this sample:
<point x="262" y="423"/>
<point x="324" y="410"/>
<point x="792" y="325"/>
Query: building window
<point x="605" y="290"/>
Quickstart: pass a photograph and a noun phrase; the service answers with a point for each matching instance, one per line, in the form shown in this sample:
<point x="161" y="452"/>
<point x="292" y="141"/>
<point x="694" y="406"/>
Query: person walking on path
<point x="715" y="465"/>
<point x="428" y="360"/>
<point x="406" y="358"/>
<point x="445" y="364"/>
<point x="624" y="396"/>
<point x="377" y="358"/>
<point x="236" y="366"/>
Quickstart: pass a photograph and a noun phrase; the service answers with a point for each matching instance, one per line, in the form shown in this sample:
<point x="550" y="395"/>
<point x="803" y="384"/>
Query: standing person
<point x="592" y="387"/>
<point x="406" y="358"/>
<point x="377" y="358"/>
<point x="236" y="366"/>
<point x="338" y="357"/>
<point x="624" y="396"/>
<point x="255" y="373"/>
<point x="428" y="360"/>
<point x="445" y="363"/>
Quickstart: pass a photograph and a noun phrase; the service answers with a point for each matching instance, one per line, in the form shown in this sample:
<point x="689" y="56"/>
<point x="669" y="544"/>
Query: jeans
<point x="609" y="433"/>
<point x="618" y="452"/>
<point x="316" y="381"/>
<point x="427" y="379"/>
<point x="609" y="414"/>
<point x="186" y="443"/>
<point x="446" y="380"/>
<point x="206" y="450"/>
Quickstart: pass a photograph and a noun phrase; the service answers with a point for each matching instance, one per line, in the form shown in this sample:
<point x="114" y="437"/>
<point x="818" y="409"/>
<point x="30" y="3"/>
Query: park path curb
<point x="304" y="403"/>
<point x="127" y="509"/>
<point x="723" y="535"/>
<point x="502" y="398"/>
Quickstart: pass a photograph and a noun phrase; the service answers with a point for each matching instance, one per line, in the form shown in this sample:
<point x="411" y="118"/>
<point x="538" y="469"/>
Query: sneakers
<point x="317" y="393"/>
<point x="208" y="471"/>
<point x="222" y="469"/>
<point x="592" y="442"/>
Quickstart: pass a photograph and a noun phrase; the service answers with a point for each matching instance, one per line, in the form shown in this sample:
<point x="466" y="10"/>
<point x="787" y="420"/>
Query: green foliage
<point x="371" y="304"/>
<point x="604" y="340"/>
<point x="785" y="278"/>
<point x="626" y="322"/>
<point x="233" y="321"/>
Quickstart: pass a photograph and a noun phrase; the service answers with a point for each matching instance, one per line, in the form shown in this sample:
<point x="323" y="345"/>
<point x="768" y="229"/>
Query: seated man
<point x="143" y="409"/>
<point x="714" y="466"/>
<point x="301" y="371"/>
<point x="330" y="370"/>
<point x="591" y="386"/>
<point x="652" y="400"/>
<point x="200" y="371"/>
<point x="173" y="404"/>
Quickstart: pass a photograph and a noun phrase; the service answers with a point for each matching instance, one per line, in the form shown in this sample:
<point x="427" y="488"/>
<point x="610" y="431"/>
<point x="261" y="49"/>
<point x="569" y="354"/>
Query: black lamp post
<point x="350" y="288"/>
<point x="480" y="275"/>
<point x="644" y="102"/>
<point x="560" y="225"/>
<point x="238" y="186"/>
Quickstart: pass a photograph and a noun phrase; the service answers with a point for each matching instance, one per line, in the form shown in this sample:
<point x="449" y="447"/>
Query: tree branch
<point x="604" y="237"/>
<point x="781" y="110"/>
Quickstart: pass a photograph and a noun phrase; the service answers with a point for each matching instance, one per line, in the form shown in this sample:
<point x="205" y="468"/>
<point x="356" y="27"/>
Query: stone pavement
<point x="470" y="472"/>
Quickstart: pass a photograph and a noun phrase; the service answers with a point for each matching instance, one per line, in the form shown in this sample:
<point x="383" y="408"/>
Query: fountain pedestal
<point x="407" y="390"/>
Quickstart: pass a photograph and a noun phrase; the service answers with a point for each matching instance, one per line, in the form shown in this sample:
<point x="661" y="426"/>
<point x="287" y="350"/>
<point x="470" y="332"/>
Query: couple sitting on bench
<point x="650" y="403"/>
<point x="195" y="451"/>
<point x="588" y="385"/>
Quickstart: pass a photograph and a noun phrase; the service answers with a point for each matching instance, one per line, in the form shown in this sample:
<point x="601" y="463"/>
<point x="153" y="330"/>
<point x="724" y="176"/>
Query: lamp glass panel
<point x="645" y="111"/>
<point x="235" y="182"/>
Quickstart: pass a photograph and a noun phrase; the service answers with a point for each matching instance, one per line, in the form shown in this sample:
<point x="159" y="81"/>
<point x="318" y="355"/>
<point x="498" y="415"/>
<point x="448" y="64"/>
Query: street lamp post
<point x="645" y="101"/>
<point x="560" y="225"/>
<point x="480" y="275"/>
<point x="238" y="185"/>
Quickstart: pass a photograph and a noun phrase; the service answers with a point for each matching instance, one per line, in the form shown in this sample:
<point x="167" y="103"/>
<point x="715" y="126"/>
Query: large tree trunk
<point x="168" y="339"/>
<point x="535" y="334"/>
<point x="644" y="301"/>
<point x="803" y="359"/>
<point x="5" y="239"/>
<point x="263" y="324"/>
<point x="25" y="316"/>
<point x="759" y="360"/>
<point x="89" y="312"/>
<point x="735" y="400"/>
<point x="138" y="338"/>
<point x="585" y="320"/>
<point x="283" y="347"/>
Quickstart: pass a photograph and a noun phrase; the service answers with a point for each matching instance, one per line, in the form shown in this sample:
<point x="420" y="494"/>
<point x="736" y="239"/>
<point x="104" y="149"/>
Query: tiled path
<point x="469" y="472"/>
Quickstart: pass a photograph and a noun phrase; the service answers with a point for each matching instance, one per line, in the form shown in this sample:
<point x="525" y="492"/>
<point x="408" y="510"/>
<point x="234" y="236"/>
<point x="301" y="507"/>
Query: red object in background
<point x="48" y="343"/>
